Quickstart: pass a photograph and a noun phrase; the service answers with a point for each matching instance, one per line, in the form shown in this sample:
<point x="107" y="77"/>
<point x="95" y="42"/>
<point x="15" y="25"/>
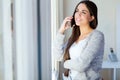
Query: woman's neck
<point x="85" y="30"/>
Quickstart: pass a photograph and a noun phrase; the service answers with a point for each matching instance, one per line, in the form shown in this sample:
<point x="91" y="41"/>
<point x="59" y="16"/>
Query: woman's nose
<point x="79" y="13"/>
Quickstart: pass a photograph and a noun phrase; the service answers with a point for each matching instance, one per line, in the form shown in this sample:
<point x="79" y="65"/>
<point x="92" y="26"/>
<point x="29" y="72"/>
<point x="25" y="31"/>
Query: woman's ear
<point x="92" y="18"/>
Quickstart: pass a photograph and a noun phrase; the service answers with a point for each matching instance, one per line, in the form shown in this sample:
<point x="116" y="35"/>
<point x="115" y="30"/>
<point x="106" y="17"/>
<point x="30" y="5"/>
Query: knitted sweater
<point x="89" y="62"/>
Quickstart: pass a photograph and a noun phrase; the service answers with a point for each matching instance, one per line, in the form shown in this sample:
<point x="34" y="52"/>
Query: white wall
<point x="117" y="31"/>
<point x="106" y="22"/>
<point x="1" y="54"/>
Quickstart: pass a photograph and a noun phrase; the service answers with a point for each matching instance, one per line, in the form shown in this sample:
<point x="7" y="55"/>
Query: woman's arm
<point x="94" y="47"/>
<point x="58" y="46"/>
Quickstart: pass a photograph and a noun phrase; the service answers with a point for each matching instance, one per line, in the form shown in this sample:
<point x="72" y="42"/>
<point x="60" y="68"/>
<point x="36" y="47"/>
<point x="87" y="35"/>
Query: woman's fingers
<point x="68" y="18"/>
<point x="66" y="24"/>
<point x="67" y="21"/>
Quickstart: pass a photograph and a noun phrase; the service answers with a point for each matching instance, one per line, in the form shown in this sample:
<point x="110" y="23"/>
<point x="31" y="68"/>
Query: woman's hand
<point x="65" y="25"/>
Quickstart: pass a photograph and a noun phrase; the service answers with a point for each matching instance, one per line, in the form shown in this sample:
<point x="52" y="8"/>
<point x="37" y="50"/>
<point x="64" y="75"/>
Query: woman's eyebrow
<point x="83" y="10"/>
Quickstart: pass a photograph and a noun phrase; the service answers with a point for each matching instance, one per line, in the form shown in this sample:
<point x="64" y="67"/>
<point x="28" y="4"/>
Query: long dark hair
<point x="76" y="31"/>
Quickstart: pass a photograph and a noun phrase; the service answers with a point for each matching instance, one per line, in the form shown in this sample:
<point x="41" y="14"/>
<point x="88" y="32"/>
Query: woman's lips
<point x="77" y="19"/>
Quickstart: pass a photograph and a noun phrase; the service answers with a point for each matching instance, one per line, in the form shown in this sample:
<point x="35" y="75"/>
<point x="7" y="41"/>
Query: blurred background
<point x="18" y="40"/>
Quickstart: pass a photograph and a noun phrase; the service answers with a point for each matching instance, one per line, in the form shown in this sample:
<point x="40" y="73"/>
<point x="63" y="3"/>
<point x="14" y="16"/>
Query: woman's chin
<point x="77" y="24"/>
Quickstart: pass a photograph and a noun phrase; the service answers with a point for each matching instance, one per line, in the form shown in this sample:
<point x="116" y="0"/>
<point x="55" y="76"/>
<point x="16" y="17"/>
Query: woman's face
<point x="82" y="15"/>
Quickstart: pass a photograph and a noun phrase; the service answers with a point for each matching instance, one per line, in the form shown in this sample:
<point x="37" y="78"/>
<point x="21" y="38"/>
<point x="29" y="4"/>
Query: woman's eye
<point x="84" y="12"/>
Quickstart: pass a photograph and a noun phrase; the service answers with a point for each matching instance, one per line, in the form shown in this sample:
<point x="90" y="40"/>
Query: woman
<point x="83" y="52"/>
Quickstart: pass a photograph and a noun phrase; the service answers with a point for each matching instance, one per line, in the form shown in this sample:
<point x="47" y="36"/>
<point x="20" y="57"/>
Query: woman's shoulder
<point x="97" y="33"/>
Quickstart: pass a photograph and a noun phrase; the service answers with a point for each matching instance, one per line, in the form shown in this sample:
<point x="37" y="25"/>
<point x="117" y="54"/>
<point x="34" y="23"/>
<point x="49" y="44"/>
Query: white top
<point x="75" y="52"/>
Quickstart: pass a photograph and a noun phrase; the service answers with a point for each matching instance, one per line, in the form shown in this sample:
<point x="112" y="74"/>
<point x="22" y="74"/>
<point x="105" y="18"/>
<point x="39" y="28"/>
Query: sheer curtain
<point x="5" y="41"/>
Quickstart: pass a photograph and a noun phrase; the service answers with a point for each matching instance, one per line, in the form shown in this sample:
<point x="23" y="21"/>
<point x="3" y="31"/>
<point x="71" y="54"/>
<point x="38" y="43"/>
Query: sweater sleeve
<point x="58" y="47"/>
<point x="94" y="47"/>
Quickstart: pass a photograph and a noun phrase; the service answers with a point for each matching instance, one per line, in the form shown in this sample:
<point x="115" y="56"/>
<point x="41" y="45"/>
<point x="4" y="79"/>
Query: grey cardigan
<point x="90" y="62"/>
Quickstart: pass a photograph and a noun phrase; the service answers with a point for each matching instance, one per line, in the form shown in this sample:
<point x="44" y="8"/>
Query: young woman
<point x="83" y="52"/>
